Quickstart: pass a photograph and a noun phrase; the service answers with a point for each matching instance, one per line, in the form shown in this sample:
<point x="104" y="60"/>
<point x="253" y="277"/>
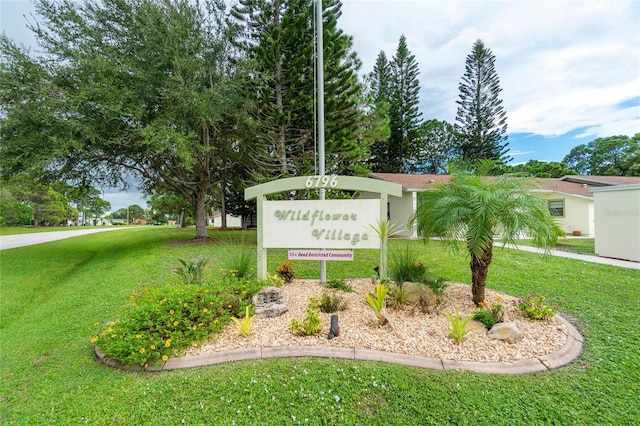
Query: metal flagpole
<point x="320" y="83"/>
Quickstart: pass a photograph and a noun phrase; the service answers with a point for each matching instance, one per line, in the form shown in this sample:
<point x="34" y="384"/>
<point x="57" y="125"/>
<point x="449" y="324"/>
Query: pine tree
<point x="380" y="92"/>
<point x="396" y="83"/>
<point x="481" y="119"/>
<point x="279" y="37"/>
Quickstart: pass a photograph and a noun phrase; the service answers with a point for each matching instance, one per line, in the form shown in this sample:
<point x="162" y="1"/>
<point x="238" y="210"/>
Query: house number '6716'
<point x="322" y="181"/>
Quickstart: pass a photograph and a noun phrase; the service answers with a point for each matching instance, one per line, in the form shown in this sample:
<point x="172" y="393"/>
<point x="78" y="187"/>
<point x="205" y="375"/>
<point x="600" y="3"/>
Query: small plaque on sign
<point x="320" y="255"/>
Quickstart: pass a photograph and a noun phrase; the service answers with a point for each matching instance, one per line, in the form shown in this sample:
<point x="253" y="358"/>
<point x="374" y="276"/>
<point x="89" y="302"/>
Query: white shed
<point x="617" y="221"/>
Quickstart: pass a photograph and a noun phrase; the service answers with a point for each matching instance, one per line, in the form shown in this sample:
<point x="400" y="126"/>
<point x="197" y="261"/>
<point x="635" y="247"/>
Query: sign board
<point x="337" y="230"/>
<point x="339" y="224"/>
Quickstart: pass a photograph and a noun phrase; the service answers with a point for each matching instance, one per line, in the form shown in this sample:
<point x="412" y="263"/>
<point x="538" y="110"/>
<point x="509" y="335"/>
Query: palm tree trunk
<point x="479" y="268"/>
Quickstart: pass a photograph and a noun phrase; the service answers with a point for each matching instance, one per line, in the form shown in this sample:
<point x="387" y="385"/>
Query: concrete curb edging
<point x="569" y="352"/>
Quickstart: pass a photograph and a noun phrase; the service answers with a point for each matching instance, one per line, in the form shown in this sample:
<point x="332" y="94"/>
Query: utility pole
<point x="320" y="83"/>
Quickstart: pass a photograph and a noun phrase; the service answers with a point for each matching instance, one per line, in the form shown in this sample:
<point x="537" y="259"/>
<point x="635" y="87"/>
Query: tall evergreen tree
<point x="279" y="37"/>
<point x="380" y="80"/>
<point x="396" y="83"/>
<point x="405" y="117"/>
<point x="481" y="119"/>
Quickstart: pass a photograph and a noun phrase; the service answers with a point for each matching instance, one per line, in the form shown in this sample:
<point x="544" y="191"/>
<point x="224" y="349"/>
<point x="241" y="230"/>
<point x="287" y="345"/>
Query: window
<point x="556" y="208"/>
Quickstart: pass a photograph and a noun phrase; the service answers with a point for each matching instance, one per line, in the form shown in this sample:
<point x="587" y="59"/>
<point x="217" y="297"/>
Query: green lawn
<point x="51" y="295"/>
<point x="574" y="245"/>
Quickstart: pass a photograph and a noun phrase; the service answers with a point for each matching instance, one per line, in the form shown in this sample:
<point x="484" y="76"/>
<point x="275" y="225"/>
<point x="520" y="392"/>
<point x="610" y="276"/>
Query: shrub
<point x="244" y="325"/>
<point x="538" y="307"/>
<point x="242" y="263"/>
<point x="438" y="286"/>
<point x="330" y="303"/>
<point x="378" y="302"/>
<point x="286" y="272"/>
<point x="192" y="273"/>
<point x="339" y="285"/>
<point x="312" y="323"/>
<point x="165" y="320"/>
<point x="489" y="313"/>
<point x="458" y="330"/>
<point x="404" y="265"/>
<point x="399" y="295"/>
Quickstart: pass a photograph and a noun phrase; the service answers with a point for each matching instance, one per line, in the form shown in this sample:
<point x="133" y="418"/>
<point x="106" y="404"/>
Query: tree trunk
<point x="223" y="212"/>
<point x="479" y="268"/>
<point x="201" y="216"/>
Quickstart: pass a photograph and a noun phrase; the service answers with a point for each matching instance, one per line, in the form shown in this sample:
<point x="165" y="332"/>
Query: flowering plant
<point x="165" y="320"/>
<point x="489" y="313"/>
<point x="538" y="307"/>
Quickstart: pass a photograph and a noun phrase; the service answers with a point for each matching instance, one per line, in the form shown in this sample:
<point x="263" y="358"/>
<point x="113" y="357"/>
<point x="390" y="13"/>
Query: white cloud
<point x="562" y="64"/>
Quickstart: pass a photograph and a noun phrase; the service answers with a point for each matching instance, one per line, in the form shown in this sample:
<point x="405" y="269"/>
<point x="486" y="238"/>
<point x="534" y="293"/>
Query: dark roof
<point x="573" y="185"/>
<point x="603" y="180"/>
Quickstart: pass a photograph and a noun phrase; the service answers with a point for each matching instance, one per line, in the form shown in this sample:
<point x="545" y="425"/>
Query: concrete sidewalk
<point x="21" y="240"/>
<point x="584" y="257"/>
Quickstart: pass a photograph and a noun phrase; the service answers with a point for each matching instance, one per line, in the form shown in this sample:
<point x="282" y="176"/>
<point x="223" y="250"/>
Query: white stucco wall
<point x="232" y="221"/>
<point x="578" y="212"/>
<point x="617" y="221"/>
<point x="400" y="210"/>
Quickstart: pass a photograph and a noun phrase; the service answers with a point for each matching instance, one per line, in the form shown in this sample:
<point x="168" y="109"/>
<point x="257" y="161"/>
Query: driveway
<point x="20" y="240"/>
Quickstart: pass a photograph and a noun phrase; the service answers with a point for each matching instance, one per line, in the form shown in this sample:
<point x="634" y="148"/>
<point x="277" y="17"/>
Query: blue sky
<point x="569" y="70"/>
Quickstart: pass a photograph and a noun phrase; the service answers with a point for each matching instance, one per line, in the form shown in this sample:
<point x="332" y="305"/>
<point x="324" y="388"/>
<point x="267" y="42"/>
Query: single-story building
<point x="569" y="198"/>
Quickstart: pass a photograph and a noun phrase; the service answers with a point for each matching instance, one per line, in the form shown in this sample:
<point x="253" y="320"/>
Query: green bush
<point x="489" y="313"/>
<point x="538" y="307"/>
<point x="404" y="265"/>
<point x="330" y="303"/>
<point x="192" y="273"/>
<point x="166" y="320"/>
<point x="243" y="262"/>
<point x="339" y="285"/>
<point x="312" y="323"/>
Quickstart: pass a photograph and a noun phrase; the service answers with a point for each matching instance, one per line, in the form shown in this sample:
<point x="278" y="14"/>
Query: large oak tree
<point x="147" y="87"/>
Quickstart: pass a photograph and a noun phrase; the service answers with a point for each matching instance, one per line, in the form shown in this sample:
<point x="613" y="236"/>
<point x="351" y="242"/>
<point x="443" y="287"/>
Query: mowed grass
<point x="574" y="245"/>
<point x="51" y="295"/>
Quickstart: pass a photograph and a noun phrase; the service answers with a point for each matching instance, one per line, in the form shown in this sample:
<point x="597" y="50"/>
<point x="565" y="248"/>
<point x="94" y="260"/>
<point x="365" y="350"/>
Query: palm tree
<point x="473" y="208"/>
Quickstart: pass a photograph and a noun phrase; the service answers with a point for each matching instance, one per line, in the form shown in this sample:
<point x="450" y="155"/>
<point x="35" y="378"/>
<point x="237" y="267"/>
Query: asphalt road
<point x="20" y="240"/>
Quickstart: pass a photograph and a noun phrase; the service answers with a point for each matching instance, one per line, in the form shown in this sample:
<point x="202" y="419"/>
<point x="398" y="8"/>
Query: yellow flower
<point x="171" y="311"/>
<point x="109" y="330"/>
<point x="152" y="347"/>
<point x="205" y="310"/>
<point x="94" y="339"/>
<point x="175" y="323"/>
<point x="113" y="336"/>
<point x="185" y="305"/>
<point x="138" y="336"/>
<point x="194" y="328"/>
<point x="215" y="321"/>
<point x="164" y="357"/>
<point x="142" y="351"/>
<point x="229" y="306"/>
<point x="167" y="343"/>
<point x="96" y="323"/>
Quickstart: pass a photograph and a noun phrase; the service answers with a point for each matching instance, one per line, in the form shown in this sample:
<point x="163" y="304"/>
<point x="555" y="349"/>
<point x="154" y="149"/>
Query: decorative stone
<point x="507" y="331"/>
<point x="269" y="302"/>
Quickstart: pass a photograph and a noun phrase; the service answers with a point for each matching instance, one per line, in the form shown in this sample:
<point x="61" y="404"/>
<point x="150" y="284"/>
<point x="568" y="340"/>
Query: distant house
<point x="569" y="198"/>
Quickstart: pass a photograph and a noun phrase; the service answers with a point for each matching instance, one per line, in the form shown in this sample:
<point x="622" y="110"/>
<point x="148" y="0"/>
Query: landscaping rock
<point x="269" y="302"/>
<point x="507" y="331"/>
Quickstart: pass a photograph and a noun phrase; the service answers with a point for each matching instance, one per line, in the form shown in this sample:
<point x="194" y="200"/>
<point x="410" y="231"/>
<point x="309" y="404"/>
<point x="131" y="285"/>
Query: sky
<point x="569" y="69"/>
